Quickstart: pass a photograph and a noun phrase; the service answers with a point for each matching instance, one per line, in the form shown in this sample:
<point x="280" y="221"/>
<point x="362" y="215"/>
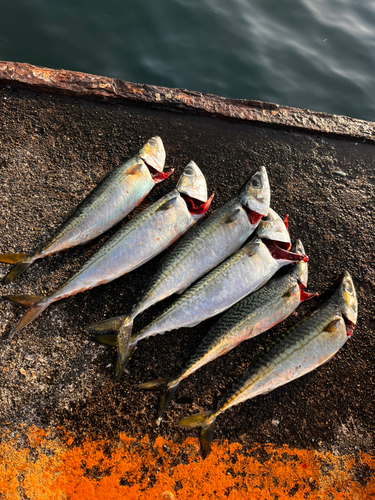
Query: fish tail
<point x="165" y="385"/>
<point x="107" y="339"/>
<point x="202" y="420"/>
<point x="120" y="366"/>
<point x="30" y="301"/>
<point x="106" y="325"/>
<point x="20" y="265"/>
<point x="123" y="342"/>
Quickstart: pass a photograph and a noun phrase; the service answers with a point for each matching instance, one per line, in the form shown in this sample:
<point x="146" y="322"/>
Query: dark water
<point x="316" y="54"/>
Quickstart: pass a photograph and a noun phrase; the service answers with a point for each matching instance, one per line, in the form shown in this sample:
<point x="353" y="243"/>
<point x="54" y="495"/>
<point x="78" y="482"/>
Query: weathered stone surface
<point x="85" y="85"/>
<point x="53" y="151"/>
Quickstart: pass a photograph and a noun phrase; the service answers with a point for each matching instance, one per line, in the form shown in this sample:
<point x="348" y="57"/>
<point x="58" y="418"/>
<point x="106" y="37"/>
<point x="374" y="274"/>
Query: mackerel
<point x="300" y="350"/>
<point x="199" y="251"/>
<point x="243" y="273"/>
<point x="144" y="236"/>
<point x="253" y="315"/>
<point x="118" y="193"/>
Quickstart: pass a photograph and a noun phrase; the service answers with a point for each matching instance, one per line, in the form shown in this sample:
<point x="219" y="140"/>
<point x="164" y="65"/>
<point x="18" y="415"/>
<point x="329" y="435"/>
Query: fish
<point x="139" y="240"/>
<point x="303" y="348"/>
<point x="241" y="274"/>
<point x="253" y="315"/>
<point x="117" y="194"/>
<point x="198" y="252"/>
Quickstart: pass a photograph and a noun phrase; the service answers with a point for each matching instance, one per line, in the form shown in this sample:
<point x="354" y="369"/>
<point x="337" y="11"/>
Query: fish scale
<point x="199" y="251"/>
<point x="286" y="349"/>
<point x="84" y="215"/>
<point x="138" y="241"/>
<point x="197" y="246"/>
<point x="303" y="348"/>
<point x="251" y="316"/>
<point x="243" y="273"/>
<point x="223" y="337"/>
<point x="126" y="231"/>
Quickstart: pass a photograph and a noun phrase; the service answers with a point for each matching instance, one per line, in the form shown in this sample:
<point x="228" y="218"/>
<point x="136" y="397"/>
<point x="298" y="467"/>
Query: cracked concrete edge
<point x="73" y="83"/>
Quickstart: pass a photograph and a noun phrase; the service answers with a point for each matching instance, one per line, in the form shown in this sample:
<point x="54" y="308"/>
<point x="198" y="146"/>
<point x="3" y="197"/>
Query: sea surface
<point x="315" y="54"/>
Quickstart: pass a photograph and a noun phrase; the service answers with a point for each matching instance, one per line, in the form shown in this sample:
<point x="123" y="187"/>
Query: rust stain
<point x="86" y="85"/>
<point x="138" y="469"/>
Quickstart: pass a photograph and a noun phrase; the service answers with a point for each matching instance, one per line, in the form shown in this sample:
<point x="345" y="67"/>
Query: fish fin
<point x="197" y="420"/>
<point x="249" y="250"/>
<point x="286" y="221"/>
<point x="206" y="436"/>
<point x="200" y="420"/>
<point x="134" y="170"/>
<point x="106" y="325"/>
<point x="167" y="205"/>
<point x="332" y="326"/>
<point x="165" y="399"/>
<point x="123" y="338"/>
<point x="30" y="301"/>
<point x="232" y="216"/>
<point x="12" y="258"/>
<point x="120" y="366"/>
<point x="24" y="300"/>
<point x="16" y="271"/>
<point x="107" y="339"/>
<point x="19" y="268"/>
<point x="287" y="294"/>
<point x="161" y="384"/>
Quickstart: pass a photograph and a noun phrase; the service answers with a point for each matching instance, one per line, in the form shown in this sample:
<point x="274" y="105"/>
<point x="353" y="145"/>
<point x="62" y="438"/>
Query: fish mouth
<point x="254" y="217"/>
<point x="196" y="207"/>
<point x="349" y="327"/>
<point x="155" y="174"/>
<point x="280" y="251"/>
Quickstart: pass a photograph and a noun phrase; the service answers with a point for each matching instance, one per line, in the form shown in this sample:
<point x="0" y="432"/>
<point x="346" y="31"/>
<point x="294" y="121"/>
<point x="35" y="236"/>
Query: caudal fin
<point x="123" y="341"/>
<point x="30" y="301"/>
<point x="201" y="420"/>
<point x="19" y="268"/>
<point x="120" y="367"/>
<point x="161" y="384"/>
<point x="106" y="325"/>
<point x="109" y="339"/>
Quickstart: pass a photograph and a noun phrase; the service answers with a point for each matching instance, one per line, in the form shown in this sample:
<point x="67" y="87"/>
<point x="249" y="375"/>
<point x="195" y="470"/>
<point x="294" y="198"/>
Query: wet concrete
<point x="53" y="151"/>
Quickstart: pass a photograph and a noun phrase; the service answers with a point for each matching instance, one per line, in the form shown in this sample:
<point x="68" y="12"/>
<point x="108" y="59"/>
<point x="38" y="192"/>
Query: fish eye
<point x="188" y="171"/>
<point x="255" y="183"/>
<point x="348" y="287"/>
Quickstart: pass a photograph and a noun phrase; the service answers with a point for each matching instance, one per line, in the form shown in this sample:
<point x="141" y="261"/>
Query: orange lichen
<point x="138" y="469"/>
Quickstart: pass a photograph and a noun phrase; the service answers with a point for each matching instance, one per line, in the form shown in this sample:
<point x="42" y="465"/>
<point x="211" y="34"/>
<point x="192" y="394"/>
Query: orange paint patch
<point x="50" y="469"/>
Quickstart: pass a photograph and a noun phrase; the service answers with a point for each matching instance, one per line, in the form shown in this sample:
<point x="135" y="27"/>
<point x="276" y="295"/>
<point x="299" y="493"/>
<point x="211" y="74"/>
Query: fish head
<point x="256" y="193"/>
<point x="153" y="153"/>
<point x="272" y="227"/>
<point x="348" y="300"/>
<point x="299" y="270"/>
<point x="192" y="183"/>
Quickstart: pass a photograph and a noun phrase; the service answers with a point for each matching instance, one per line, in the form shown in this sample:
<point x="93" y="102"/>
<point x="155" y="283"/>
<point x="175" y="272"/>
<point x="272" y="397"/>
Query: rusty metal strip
<point x="23" y="75"/>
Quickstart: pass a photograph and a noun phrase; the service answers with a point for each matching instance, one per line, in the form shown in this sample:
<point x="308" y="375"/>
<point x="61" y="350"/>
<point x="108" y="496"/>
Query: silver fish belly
<point x="243" y="273"/>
